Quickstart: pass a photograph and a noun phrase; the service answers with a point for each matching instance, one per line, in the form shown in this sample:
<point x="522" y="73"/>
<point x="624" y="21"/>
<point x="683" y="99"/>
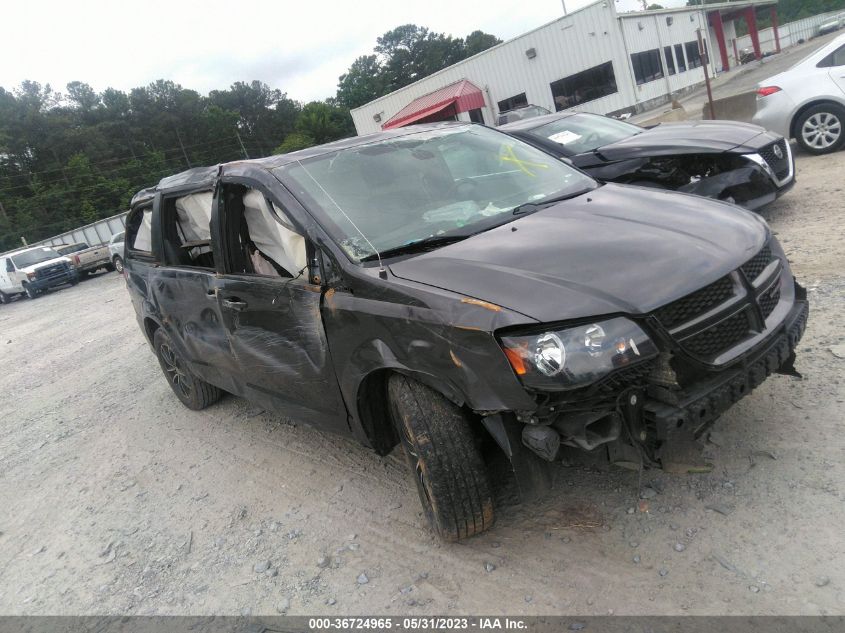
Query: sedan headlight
<point x="577" y="356"/>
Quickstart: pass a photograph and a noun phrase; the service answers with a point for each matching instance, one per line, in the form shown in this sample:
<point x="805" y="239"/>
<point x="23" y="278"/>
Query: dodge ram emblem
<point x="778" y="152"/>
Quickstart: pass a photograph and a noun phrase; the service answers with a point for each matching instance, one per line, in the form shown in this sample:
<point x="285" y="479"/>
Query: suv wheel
<point x="118" y="264"/>
<point x="194" y="393"/>
<point x="31" y="292"/>
<point x="819" y="130"/>
<point x="448" y="469"/>
<point x="4" y="298"/>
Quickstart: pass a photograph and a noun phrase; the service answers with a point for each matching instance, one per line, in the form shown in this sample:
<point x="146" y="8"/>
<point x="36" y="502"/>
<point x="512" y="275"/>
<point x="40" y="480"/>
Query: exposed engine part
<point x="543" y="440"/>
<point x="588" y="430"/>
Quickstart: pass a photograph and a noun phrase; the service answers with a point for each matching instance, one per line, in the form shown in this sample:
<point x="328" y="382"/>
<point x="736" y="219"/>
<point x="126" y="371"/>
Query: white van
<point x="32" y="270"/>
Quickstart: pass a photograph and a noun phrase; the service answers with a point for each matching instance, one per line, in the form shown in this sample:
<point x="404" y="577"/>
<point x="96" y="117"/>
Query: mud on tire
<point x="194" y="393"/>
<point x="448" y="469"/>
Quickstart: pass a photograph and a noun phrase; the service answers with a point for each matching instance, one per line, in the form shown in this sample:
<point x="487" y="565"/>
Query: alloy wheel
<point x="821" y="130"/>
<point x="173" y="367"/>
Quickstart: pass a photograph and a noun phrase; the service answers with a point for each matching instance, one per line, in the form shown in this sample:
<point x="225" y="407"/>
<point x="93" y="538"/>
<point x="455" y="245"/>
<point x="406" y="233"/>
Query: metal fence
<point x="789" y="33"/>
<point x="94" y="234"/>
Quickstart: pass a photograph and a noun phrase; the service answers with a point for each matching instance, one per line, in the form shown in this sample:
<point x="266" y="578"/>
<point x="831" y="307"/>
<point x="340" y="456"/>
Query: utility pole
<point x="243" y="149"/>
<point x="184" y="153"/>
<point x="704" y="55"/>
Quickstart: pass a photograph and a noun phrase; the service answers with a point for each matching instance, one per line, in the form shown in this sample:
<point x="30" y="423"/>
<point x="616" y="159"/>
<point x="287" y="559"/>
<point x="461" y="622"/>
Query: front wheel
<point x="448" y="469"/>
<point x="194" y="393"/>
<point x="118" y="264"/>
<point x="819" y="129"/>
<point x="31" y="292"/>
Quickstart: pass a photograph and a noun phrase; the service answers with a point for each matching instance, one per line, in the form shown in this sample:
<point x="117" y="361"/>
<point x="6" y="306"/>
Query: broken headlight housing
<point x="579" y="355"/>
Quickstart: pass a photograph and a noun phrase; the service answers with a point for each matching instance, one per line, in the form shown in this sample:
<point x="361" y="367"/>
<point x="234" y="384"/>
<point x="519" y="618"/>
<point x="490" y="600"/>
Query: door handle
<point x="234" y="304"/>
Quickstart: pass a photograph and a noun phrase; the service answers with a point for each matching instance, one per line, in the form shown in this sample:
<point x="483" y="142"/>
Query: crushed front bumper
<point x="682" y="417"/>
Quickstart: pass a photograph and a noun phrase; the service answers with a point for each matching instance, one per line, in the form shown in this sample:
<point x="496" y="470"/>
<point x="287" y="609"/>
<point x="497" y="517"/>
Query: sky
<point x="299" y="47"/>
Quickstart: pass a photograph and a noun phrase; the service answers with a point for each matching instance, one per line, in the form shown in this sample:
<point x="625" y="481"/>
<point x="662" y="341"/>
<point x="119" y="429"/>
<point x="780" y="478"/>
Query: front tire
<point x="450" y="474"/>
<point x="819" y="130"/>
<point x="194" y="393"/>
<point x="118" y="264"/>
<point x="31" y="292"/>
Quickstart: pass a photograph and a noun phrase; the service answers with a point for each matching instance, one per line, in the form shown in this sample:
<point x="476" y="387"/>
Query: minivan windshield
<point x="428" y="187"/>
<point x="35" y="256"/>
<point x="585" y="132"/>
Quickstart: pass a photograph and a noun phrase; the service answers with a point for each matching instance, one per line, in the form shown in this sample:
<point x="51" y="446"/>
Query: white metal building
<point x="594" y="59"/>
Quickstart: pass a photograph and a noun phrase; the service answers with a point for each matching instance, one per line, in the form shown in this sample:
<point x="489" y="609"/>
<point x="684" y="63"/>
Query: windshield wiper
<point x="536" y="205"/>
<point x="417" y="246"/>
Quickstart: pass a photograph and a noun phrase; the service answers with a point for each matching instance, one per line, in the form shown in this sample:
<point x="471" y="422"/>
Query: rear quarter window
<point x="139" y="231"/>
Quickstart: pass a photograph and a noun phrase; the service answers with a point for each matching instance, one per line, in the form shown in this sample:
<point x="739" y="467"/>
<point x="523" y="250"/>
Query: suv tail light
<point x="765" y="91"/>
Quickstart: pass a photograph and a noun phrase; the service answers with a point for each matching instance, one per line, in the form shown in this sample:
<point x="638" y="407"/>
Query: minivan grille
<point x="779" y="165"/>
<point x="754" y="266"/>
<point x="720" y="337"/>
<point x="742" y="312"/>
<point x="699" y="302"/>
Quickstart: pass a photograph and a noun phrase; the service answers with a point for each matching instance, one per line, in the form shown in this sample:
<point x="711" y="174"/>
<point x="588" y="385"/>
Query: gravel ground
<point x="116" y="499"/>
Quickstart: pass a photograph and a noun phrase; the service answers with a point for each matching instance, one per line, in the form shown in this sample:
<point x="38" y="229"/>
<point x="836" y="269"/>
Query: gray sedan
<point x="807" y="102"/>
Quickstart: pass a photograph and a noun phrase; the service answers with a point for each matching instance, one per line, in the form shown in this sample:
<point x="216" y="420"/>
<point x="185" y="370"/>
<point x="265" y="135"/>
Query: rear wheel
<point x="819" y="129"/>
<point x="448" y="469"/>
<point x="4" y="298"/>
<point x="194" y="393"/>
<point x="118" y="264"/>
<point x="31" y="292"/>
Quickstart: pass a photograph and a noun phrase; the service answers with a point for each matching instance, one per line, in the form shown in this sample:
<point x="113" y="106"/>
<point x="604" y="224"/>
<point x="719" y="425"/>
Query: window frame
<point x="167" y="210"/>
<point x="129" y="246"/>
<point x="638" y="64"/>
<point x="224" y="234"/>
<point x="669" y="56"/>
<point x="510" y="100"/>
<point x="553" y="86"/>
<point x="697" y="61"/>
<point x="680" y="58"/>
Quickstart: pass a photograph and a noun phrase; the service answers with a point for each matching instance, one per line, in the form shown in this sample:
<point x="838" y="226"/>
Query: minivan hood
<point x="615" y="249"/>
<point x="49" y="262"/>
<point x="698" y="137"/>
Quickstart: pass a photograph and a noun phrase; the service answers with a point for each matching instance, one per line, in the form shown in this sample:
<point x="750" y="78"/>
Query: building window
<point x="693" y="54"/>
<point x="679" y="54"/>
<point x="590" y="84"/>
<point x="475" y="116"/>
<point x="511" y="103"/>
<point x="670" y="61"/>
<point x="647" y="66"/>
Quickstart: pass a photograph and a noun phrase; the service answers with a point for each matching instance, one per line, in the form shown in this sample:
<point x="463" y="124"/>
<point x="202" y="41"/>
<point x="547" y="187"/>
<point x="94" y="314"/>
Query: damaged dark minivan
<point x="453" y="289"/>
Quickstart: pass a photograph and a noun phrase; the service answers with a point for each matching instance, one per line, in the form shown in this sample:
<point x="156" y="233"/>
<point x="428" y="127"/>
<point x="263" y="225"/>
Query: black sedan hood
<point x="615" y="249"/>
<point x="698" y="137"/>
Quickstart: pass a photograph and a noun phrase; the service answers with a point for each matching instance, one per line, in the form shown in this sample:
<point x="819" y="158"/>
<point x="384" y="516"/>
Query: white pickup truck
<point x="86" y="259"/>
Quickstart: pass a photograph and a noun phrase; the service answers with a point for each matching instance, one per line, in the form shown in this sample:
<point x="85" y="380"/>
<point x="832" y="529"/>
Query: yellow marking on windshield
<point x="509" y="156"/>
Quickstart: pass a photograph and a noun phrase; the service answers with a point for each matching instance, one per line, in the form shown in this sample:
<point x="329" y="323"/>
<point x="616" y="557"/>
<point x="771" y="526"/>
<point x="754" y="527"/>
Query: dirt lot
<point x="116" y="499"/>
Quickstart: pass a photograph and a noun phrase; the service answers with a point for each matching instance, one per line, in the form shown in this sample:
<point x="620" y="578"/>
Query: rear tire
<point x="4" y="298"/>
<point x="450" y="474"/>
<point x="194" y="393"/>
<point x="821" y="129"/>
<point x="118" y="264"/>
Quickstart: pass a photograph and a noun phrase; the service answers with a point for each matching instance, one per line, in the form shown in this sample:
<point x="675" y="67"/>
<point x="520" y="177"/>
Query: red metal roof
<point x="463" y="95"/>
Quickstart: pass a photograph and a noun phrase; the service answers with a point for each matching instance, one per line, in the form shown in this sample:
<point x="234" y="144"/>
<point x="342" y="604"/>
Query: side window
<point x="186" y="231"/>
<point x="836" y="58"/>
<point x="265" y="240"/>
<point x="139" y="231"/>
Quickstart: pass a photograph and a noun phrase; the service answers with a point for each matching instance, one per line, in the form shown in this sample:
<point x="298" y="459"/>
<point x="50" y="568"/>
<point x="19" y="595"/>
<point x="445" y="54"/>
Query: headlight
<point x="31" y="276"/>
<point x="577" y="356"/>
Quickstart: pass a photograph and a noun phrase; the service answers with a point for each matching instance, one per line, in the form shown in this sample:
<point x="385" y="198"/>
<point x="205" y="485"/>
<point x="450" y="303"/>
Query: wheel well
<point x="374" y="411"/>
<point x="150" y="327"/>
<point x="792" y="131"/>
